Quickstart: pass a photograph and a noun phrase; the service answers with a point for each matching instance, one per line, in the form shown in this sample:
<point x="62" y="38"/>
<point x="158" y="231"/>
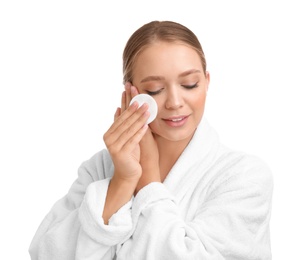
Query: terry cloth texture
<point x="215" y="203"/>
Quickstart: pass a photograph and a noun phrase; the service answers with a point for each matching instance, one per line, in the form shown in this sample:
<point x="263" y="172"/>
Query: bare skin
<point x="173" y="75"/>
<point x="130" y="136"/>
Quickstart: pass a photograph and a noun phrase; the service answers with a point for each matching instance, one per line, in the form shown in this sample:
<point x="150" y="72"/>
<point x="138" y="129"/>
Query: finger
<point x="119" y="118"/>
<point x="135" y="139"/>
<point x="127" y="84"/>
<point x="133" y="135"/>
<point x="126" y="120"/>
<point x="123" y="102"/>
<point x="128" y="94"/>
<point x="126" y="137"/>
<point x="134" y="91"/>
<point x="117" y="113"/>
<point x="125" y="99"/>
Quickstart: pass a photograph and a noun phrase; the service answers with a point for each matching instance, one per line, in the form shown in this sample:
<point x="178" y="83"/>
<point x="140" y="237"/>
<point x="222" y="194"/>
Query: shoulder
<point x="243" y="162"/>
<point x="254" y="169"/>
<point x="241" y="170"/>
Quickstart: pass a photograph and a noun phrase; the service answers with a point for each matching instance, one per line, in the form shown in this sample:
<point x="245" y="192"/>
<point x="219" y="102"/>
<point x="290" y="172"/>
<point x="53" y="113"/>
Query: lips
<point x="176" y="121"/>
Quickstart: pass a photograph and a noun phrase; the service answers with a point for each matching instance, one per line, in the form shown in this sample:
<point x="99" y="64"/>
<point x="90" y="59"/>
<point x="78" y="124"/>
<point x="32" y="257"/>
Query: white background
<point x="61" y="81"/>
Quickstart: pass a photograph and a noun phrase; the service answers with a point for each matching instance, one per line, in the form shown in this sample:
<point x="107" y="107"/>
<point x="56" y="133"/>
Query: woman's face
<point x="173" y="75"/>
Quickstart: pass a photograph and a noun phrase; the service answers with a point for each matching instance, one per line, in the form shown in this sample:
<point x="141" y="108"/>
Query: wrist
<point x="120" y="191"/>
<point x="125" y="181"/>
<point x="146" y="179"/>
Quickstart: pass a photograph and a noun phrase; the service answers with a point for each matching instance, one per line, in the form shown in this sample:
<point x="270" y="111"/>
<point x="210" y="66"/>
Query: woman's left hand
<point x="149" y="160"/>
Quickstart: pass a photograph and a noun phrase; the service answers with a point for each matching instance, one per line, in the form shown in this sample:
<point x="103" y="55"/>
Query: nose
<point x="174" y="99"/>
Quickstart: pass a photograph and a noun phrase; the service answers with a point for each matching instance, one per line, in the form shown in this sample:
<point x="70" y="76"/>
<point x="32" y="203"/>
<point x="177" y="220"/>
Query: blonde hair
<point x="151" y="32"/>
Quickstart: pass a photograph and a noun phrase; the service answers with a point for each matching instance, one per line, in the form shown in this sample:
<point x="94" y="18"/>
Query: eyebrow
<point x="152" y="78"/>
<point x="159" y="78"/>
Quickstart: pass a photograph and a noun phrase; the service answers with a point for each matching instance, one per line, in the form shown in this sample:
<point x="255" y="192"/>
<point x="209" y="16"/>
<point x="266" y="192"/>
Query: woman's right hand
<point x="122" y="140"/>
<point x="123" y="137"/>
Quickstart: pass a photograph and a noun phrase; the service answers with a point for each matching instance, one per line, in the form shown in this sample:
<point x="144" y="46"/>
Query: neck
<point x="169" y="152"/>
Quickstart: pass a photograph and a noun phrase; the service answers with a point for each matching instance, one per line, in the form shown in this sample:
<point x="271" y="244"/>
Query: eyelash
<point x="190" y="86"/>
<point x="152" y="93"/>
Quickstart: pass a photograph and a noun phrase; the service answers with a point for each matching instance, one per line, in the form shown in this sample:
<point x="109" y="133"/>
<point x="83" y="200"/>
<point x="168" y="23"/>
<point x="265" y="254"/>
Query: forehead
<point x="162" y="58"/>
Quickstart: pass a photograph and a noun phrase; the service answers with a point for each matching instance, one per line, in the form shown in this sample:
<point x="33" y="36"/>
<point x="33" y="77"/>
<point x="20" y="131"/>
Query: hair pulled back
<point x="151" y="32"/>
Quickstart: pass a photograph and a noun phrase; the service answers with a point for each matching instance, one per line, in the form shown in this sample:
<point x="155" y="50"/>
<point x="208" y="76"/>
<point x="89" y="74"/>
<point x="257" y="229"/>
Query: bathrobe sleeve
<point x="231" y="222"/>
<point x="74" y="228"/>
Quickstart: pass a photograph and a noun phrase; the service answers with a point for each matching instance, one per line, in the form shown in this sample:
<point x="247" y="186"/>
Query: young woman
<point x="169" y="190"/>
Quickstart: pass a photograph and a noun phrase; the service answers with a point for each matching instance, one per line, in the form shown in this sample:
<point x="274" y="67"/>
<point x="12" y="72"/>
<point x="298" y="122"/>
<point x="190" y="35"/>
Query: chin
<point x="176" y="135"/>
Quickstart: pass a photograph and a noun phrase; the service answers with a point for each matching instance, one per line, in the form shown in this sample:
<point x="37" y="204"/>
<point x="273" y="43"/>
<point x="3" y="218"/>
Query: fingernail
<point x="146" y="113"/>
<point x="145" y="106"/>
<point x="134" y="104"/>
<point x="127" y="85"/>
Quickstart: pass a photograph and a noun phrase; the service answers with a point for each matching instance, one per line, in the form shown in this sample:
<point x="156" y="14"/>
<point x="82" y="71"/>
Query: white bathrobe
<point x="215" y="203"/>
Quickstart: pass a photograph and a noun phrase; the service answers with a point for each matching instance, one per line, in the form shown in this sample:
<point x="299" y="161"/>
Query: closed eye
<point x="152" y="93"/>
<point x="190" y="86"/>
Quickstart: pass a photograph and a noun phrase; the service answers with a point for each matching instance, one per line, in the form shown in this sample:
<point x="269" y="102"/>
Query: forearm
<point x="118" y="194"/>
<point x="66" y="240"/>
<point x="147" y="178"/>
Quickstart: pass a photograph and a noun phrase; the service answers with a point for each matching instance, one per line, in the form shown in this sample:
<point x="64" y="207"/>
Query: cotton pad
<point x="152" y="105"/>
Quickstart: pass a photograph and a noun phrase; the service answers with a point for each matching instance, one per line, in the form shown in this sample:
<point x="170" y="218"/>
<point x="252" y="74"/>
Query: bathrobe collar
<point x="194" y="161"/>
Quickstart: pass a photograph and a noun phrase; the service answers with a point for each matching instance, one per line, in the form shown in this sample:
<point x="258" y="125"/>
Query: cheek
<point x="154" y="127"/>
<point x="200" y="102"/>
<point x="197" y="102"/>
